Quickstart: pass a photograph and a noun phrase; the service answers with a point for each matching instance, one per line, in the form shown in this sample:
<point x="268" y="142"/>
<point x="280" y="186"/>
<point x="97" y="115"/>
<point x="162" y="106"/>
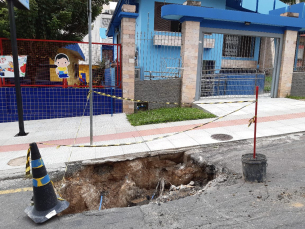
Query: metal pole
<point x="16" y="68"/>
<point x="257" y="5"/>
<point x="90" y="73"/>
<point x="255" y="122"/>
<point x="111" y="102"/>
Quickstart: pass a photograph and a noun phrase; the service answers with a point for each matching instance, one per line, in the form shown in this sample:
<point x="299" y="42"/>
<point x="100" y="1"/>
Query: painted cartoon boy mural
<point x="62" y="62"/>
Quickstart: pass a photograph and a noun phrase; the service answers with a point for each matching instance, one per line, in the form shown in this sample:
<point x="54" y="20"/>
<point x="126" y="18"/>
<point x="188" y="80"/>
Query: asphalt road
<point x="227" y="202"/>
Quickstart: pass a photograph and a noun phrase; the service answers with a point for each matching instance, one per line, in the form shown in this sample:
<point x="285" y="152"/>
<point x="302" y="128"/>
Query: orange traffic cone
<point x="46" y="203"/>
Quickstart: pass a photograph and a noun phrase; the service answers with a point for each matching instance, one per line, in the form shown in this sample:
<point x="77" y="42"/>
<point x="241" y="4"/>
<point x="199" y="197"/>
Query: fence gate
<point x="234" y="64"/>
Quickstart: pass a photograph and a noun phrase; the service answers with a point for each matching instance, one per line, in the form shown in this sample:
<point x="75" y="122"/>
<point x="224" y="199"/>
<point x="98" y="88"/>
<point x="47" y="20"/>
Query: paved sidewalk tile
<point x="104" y="152"/>
<point x="275" y="116"/>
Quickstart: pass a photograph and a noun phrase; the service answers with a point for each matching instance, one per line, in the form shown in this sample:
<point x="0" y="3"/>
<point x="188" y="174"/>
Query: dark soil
<point x="135" y="182"/>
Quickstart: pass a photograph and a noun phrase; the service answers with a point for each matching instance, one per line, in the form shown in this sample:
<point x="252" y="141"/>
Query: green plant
<point x="167" y="115"/>
<point x="268" y="81"/>
<point x="295" y="97"/>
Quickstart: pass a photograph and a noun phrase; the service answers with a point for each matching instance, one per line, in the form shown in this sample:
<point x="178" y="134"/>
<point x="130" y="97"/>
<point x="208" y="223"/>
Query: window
<point x="118" y="38"/>
<point x="162" y="24"/>
<point x="208" y="66"/>
<point x="238" y="46"/>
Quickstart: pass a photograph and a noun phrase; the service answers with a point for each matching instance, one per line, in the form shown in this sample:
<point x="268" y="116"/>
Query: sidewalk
<point x="275" y="117"/>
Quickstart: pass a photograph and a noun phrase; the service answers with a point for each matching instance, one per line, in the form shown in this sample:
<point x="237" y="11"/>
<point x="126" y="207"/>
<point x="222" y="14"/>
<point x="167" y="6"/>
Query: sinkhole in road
<point x="134" y="182"/>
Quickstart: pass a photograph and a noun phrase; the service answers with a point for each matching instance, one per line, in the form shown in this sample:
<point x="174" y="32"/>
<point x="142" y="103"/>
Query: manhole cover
<point x="17" y="161"/>
<point x="221" y="137"/>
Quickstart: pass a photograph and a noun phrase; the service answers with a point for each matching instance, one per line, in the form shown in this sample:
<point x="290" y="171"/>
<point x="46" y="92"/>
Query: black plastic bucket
<point x="254" y="170"/>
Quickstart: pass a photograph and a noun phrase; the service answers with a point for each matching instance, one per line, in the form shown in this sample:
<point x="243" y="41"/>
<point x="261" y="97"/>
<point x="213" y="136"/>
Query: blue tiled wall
<point x="48" y="103"/>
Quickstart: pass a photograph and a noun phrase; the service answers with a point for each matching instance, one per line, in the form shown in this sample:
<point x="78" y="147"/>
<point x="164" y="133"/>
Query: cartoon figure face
<point x="62" y="62"/>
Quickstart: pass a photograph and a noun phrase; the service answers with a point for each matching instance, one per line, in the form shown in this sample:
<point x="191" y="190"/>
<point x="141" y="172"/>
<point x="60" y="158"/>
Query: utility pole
<point x="90" y="72"/>
<point x="16" y="67"/>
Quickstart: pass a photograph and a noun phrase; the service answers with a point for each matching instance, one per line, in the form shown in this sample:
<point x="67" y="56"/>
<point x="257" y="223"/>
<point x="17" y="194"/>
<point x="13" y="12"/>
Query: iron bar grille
<point x="161" y="24"/>
<point x="233" y="65"/>
<point x="158" y="55"/>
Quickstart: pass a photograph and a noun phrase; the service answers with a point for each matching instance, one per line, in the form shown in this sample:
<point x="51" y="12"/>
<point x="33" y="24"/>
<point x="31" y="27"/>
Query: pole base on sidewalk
<point x="21" y="134"/>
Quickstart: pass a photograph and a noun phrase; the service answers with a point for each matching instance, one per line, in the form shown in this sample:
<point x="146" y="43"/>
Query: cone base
<point x="42" y="216"/>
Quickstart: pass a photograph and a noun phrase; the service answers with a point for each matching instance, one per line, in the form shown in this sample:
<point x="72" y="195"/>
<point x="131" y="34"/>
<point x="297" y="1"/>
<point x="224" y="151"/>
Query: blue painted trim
<point x="107" y="47"/>
<point x="110" y="30"/>
<point x="183" y="19"/>
<point x="172" y="11"/>
<point x="37" y="163"/>
<point x="298" y="8"/>
<point x="114" y="19"/>
<point x="236" y="4"/>
<point x="278" y="12"/>
<point x="76" y="48"/>
<point x="127" y="15"/>
<point x="241" y="26"/>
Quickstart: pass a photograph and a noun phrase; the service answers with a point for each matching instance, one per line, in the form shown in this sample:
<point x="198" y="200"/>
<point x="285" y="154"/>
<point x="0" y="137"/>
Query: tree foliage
<point x="51" y="19"/>
<point x="291" y="2"/>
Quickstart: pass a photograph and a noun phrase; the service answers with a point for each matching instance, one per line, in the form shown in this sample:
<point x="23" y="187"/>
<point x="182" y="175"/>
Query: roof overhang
<point x="75" y="50"/>
<point x="118" y="15"/>
<point x="202" y="14"/>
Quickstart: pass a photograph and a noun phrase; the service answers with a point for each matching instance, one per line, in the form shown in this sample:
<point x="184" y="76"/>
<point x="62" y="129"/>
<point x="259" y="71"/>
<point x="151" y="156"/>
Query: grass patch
<point x="167" y="115"/>
<point x="295" y="97"/>
<point x="268" y="82"/>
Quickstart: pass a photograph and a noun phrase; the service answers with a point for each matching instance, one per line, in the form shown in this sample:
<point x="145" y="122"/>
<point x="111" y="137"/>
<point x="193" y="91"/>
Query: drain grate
<point x="221" y="137"/>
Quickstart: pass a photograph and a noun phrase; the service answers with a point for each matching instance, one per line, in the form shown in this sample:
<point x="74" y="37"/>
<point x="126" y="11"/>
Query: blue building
<point x="159" y="40"/>
<point x="242" y="41"/>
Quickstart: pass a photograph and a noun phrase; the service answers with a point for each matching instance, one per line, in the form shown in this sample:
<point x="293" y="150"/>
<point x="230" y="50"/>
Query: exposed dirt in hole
<point x="135" y="182"/>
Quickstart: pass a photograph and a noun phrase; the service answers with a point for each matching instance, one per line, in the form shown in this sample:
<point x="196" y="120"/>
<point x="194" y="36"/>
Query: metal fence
<point x="158" y="55"/>
<point x="47" y="95"/>
<point x="41" y="66"/>
<point x="233" y="65"/>
<point x="221" y="82"/>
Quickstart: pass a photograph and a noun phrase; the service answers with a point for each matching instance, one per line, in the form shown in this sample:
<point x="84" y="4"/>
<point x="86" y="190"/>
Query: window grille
<point x="238" y="46"/>
<point x="162" y="24"/>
